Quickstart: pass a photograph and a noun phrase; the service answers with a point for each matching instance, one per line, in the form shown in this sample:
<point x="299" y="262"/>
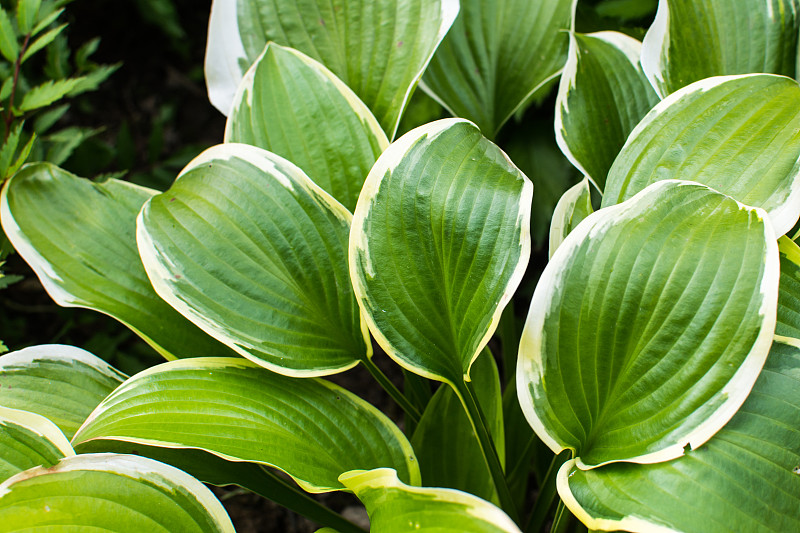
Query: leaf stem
<point x="476" y="417"/>
<point x="409" y="408"/>
<point x="562" y="519"/>
<point x="283" y="493"/>
<point x="547" y="494"/>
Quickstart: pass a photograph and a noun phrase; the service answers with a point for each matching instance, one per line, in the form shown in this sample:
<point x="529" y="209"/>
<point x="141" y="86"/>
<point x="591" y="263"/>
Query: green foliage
<point x="656" y="373"/>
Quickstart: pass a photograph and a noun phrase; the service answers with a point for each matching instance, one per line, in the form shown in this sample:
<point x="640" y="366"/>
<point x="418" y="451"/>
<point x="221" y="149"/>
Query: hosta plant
<point x="655" y="385"/>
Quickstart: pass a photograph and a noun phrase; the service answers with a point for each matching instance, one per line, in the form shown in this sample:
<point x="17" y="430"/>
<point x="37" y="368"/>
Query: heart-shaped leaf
<point x="789" y="294"/>
<point x="107" y="492"/>
<point x="447" y="449"/>
<point x="79" y="238"/>
<point x="496" y="55"/>
<point x="62" y="383"/>
<point x="737" y="134"/>
<point x="574" y="206"/>
<point x="309" y="428"/>
<point x="439" y="243"/>
<point x="395" y="507"/>
<point x="378" y="48"/>
<point x="294" y="107"/>
<point x="690" y="40"/>
<point x="649" y="325"/>
<point x="247" y="247"/>
<point x="602" y="95"/>
<point x="28" y="440"/>
<point x="743" y="479"/>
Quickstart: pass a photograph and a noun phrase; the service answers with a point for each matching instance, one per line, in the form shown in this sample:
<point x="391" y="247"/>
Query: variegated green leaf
<point x="28" y="440"/>
<point x="574" y="206"/>
<point x="247" y="247"/>
<point x="744" y="479"/>
<point x="649" y="325"/>
<point x="789" y="294"/>
<point x="737" y="134"/>
<point x="497" y="55"/>
<point x="447" y="448"/>
<point x="439" y="243"/>
<point x="690" y="40"/>
<point x="382" y="66"/>
<point x="309" y="428"/>
<point x="293" y="106"/>
<point x="602" y="95"/>
<point x="79" y="239"/>
<point x="107" y="492"/>
<point x="395" y="507"/>
<point x="62" y="383"/>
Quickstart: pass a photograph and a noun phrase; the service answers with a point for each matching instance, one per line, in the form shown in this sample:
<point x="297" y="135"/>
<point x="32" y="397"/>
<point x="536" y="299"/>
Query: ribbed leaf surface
<point x="649" y="325"/>
<point x="79" y="239"/>
<point x="293" y="106"/>
<point x="107" y="492"/>
<point x="28" y="440"/>
<point x="247" y="247"/>
<point x="739" y="135"/>
<point x="439" y="243"/>
<point x="394" y="507"/>
<point x="789" y="294"/>
<point x="447" y="449"/>
<point x="309" y="428"/>
<point x="574" y="206"/>
<point x="695" y="39"/>
<point x="62" y="383"/>
<point x="378" y="48"/>
<point x="744" y="479"/>
<point x="496" y="55"/>
<point x="602" y="95"/>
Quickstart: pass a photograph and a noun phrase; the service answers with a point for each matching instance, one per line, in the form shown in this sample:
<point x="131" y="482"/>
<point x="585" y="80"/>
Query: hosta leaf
<point x="649" y="325"/>
<point x="602" y="95"/>
<point x="744" y="479"/>
<point x="394" y="507"/>
<point x="574" y="206"/>
<point x="440" y="240"/>
<point x="107" y="492"/>
<point x="737" y="134"/>
<point x="789" y="294"/>
<point x="447" y="449"/>
<point x="309" y="428"/>
<point x="382" y="67"/>
<point x="690" y="40"/>
<point x="79" y="239"/>
<point x="62" y="383"/>
<point x="293" y="106"/>
<point x="247" y="247"/>
<point x="28" y="440"/>
<point x="497" y="55"/>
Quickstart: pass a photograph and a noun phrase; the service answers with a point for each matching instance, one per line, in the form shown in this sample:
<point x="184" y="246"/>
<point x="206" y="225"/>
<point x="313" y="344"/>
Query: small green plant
<point x="38" y="77"/>
<point x="653" y="387"/>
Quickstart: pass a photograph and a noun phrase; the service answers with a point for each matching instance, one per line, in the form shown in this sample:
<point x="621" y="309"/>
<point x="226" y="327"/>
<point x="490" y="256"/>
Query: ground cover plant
<point x="653" y="387"/>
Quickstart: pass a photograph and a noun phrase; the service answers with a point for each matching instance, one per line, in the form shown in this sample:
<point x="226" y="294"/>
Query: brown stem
<point x="17" y="67"/>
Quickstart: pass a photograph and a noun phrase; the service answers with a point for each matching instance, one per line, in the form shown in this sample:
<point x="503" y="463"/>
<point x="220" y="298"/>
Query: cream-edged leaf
<point x="649" y="325"/>
<point x="247" y="247"/>
<point x="744" y="479"/>
<point x="79" y="238"/>
<point x="62" y="383"/>
<point x="108" y="492"/>
<point x="296" y="108"/>
<point x="690" y="40"/>
<point x="309" y="428"/>
<point x="574" y="206"/>
<point x="395" y="507"/>
<point x="602" y="95"/>
<point x="739" y="135"/>
<point x="28" y="440"/>
<point x="439" y="243"/>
